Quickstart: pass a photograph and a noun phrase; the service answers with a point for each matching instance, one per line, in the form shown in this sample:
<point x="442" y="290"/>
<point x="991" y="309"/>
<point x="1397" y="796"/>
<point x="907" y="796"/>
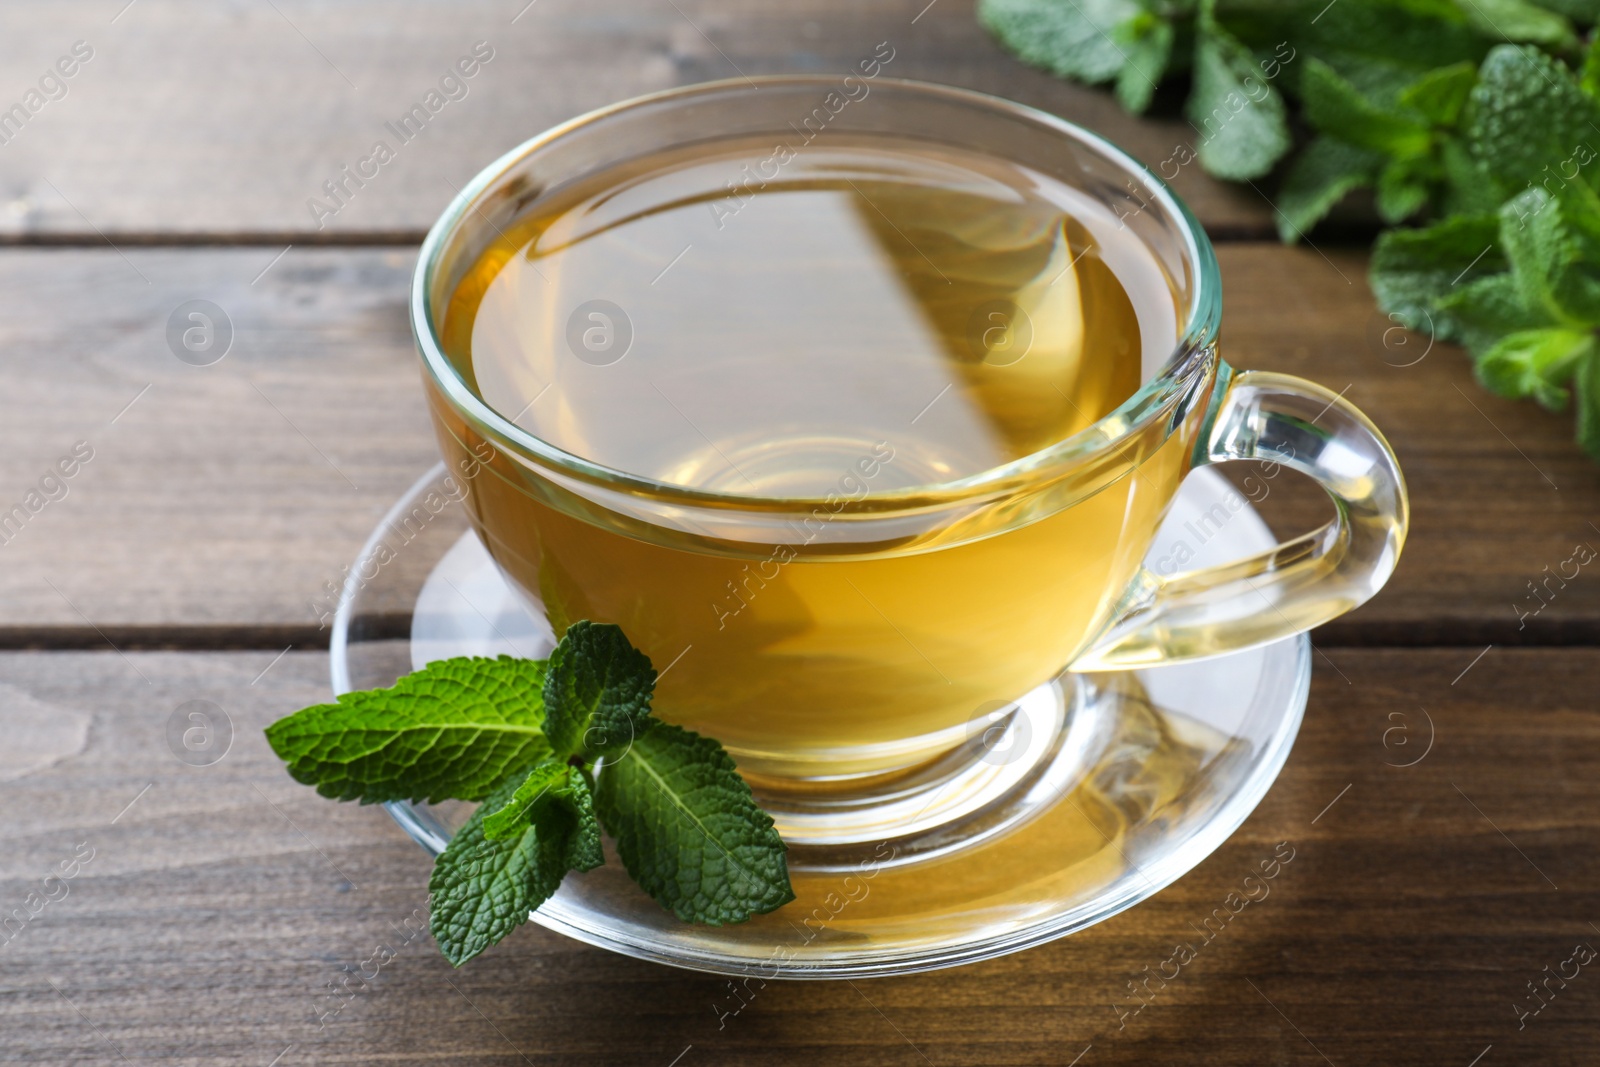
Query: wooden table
<point x="213" y="908"/>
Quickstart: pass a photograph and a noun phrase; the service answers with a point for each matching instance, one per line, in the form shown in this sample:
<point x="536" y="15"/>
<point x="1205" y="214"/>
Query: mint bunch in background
<point x="1473" y="126"/>
<point x="555" y="750"/>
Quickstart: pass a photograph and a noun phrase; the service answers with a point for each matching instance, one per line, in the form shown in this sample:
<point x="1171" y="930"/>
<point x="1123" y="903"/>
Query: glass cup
<point x="930" y="612"/>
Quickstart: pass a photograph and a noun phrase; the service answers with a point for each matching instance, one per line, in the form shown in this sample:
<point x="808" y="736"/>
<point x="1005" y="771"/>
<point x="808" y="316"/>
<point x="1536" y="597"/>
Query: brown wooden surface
<point x="222" y="900"/>
<point x="226" y="495"/>
<point x="219" y="905"/>
<point x="199" y="119"/>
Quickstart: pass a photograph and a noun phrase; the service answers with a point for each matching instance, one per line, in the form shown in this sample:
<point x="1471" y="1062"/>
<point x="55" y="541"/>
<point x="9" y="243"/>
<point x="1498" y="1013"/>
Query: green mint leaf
<point x="1536" y="363"/>
<point x="1239" y="115"/>
<point x="1468" y="188"/>
<point x="1520" y="21"/>
<point x="536" y="791"/>
<point x="1486" y="309"/>
<point x="1402" y="189"/>
<point x="1417" y="35"/>
<point x="556" y="801"/>
<point x="1336" y="108"/>
<point x="1412" y="270"/>
<point x="1146" y="42"/>
<point x="481" y="890"/>
<point x="1527" y="113"/>
<point x="1090" y="41"/>
<point x="1379" y="82"/>
<point x="1586" y="11"/>
<point x="1439" y="95"/>
<point x="1589" y="76"/>
<point x="1552" y="239"/>
<point x="1588" y="386"/>
<point x="1319" y="178"/>
<point x="597" y="692"/>
<point x="689" y="831"/>
<point x="449" y="731"/>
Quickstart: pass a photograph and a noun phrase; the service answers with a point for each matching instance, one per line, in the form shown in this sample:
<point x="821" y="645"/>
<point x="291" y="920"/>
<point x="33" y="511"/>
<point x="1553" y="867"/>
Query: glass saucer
<point x="1142" y="773"/>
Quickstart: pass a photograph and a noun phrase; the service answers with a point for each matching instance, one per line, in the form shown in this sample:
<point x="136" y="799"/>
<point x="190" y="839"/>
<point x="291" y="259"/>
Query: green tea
<point x="835" y="322"/>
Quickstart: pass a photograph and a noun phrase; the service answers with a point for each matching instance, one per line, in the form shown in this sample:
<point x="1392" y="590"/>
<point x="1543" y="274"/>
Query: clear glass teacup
<point x="859" y="646"/>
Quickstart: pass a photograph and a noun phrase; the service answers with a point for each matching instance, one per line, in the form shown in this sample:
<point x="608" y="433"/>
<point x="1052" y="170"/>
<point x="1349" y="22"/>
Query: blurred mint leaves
<point x="555" y="749"/>
<point x="1473" y="125"/>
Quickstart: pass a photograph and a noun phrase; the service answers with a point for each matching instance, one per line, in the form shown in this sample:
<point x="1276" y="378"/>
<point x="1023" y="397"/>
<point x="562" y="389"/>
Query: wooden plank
<point x="225" y="496"/>
<point x="216" y="495"/>
<point x="221" y="900"/>
<point x="198" y="119"/>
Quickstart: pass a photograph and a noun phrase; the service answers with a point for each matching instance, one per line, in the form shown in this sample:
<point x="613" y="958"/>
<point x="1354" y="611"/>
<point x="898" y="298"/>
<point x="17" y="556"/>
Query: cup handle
<point x="1272" y="418"/>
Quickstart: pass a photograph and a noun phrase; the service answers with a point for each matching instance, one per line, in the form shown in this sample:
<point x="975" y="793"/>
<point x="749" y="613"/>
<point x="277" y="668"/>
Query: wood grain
<point x="198" y="120"/>
<point x="222" y="900"/>
<point x="218" y="504"/>
<point x="260" y="474"/>
<point x="218" y="906"/>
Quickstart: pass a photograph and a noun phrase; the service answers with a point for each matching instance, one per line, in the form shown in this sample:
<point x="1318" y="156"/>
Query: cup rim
<point x="1190" y="356"/>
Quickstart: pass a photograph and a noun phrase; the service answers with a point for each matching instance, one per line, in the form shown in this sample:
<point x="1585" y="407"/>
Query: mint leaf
<point x="1587" y="11"/>
<point x="1553" y="243"/>
<point x="1413" y="35"/>
<point x="689" y="831"/>
<point x="1527" y="113"/>
<point x="1092" y="41"/>
<point x="1240" y="116"/>
<point x="1146" y="42"/>
<point x="1486" y="309"/>
<point x="1518" y="20"/>
<point x="1536" y="363"/>
<point x="1589" y="75"/>
<point x="1335" y="107"/>
<point x="482" y="889"/>
<point x="1318" y="179"/>
<point x="1588" y="384"/>
<point x="596" y="693"/>
<point x="1413" y="269"/>
<point x="1439" y="95"/>
<point x="449" y="731"/>
<point x="1469" y="190"/>
<point x="1402" y="190"/>
<point x="535" y="791"/>
<point x="554" y="799"/>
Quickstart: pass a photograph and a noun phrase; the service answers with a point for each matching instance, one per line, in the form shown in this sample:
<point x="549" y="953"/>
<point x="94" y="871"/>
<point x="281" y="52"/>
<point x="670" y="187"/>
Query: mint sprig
<point x="1478" y="119"/>
<point x="556" y="750"/>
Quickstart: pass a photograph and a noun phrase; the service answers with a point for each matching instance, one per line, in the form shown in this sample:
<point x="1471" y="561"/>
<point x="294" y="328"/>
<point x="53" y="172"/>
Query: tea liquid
<point x="848" y="317"/>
